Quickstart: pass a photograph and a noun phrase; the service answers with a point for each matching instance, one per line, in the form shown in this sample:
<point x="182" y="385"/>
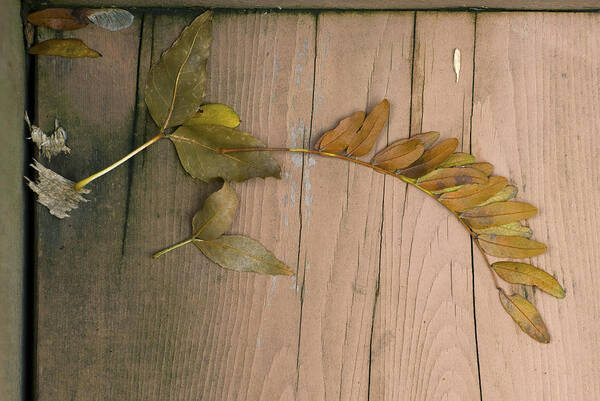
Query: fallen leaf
<point x="456" y="63"/>
<point x="505" y="194"/>
<point x="526" y="316"/>
<point x="242" y="254"/>
<point x="364" y="140"/>
<point x="451" y="177"/>
<point x="497" y="214"/>
<point x="458" y="159"/>
<point x="431" y="159"/>
<point x="198" y="144"/>
<point x="428" y="138"/>
<point x="72" y="48"/>
<point x="399" y="154"/>
<point x="486" y="167"/>
<point x="503" y="246"/>
<point x="217" y="213"/>
<point x="511" y="229"/>
<point x="61" y="19"/>
<point x="446" y="190"/>
<point x="470" y="196"/>
<point x="112" y="19"/>
<point x="337" y="139"/>
<point x="176" y="84"/>
<point x="523" y="273"/>
<point x="217" y="114"/>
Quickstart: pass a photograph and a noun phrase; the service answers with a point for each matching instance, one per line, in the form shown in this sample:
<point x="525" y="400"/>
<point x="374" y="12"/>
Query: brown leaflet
<point x="61" y="19"/>
<point x="523" y="273"/>
<point x="459" y="159"/>
<point x="503" y="246"/>
<point x="507" y="193"/>
<point x="72" y="48"/>
<point x="486" y="167"/>
<point x="431" y="159"/>
<point x="399" y="154"/>
<point x="512" y="229"/>
<point x="526" y="316"/>
<point x="364" y="140"/>
<point x="428" y="138"/>
<point x="451" y="177"/>
<point x="497" y="214"/>
<point x="471" y="195"/>
<point x="337" y="139"/>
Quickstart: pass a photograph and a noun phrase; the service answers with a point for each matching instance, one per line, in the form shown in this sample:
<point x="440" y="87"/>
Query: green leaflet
<point x="176" y="84"/>
<point x="242" y="254"/>
<point x="217" y="213"/>
<point x="198" y="144"/>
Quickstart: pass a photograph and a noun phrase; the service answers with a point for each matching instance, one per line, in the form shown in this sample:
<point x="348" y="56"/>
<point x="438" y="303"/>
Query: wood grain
<point x="423" y="345"/>
<point x="536" y="118"/>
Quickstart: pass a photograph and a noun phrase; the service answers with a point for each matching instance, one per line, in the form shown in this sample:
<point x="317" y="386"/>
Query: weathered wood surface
<point x="382" y="304"/>
<point x="12" y="200"/>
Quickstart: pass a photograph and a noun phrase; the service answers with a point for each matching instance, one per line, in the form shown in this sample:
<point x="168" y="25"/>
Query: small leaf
<point x="198" y="145"/>
<point x="471" y="195"/>
<point x="176" y="84"/>
<point x="486" y="167"/>
<point x="526" y="316"/>
<point x="428" y="138"/>
<point x="431" y="159"/>
<point x="242" y="254"/>
<point x="511" y="229"/>
<point x="450" y="177"/>
<point x="399" y="154"/>
<point x="505" y="194"/>
<point x="72" y="48"/>
<point x="113" y="19"/>
<point x="61" y="19"/>
<point x="337" y="139"/>
<point x="446" y="190"/>
<point x="503" y="246"/>
<point x="364" y="140"/>
<point x="216" y="215"/>
<point x="523" y="273"/>
<point x="458" y="159"/>
<point x="217" y="114"/>
<point x="497" y="214"/>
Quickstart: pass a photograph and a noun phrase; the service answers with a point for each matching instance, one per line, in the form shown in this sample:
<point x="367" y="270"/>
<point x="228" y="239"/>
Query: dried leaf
<point x="216" y="215"/>
<point x="472" y="195"/>
<point x="486" y="167"/>
<point x="526" y="316"/>
<point x="505" y="194"/>
<point x="459" y="159"/>
<point x="497" y="214"/>
<point x="503" y="246"/>
<point x="217" y="114"/>
<point x="428" y="138"/>
<point x="364" y="140"/>
<point x="399" y="154"/>
<point x="523" y="273"/>
<point x="61" y="19"/>
<point x="113" y="19"/>
<point x="198" y="145"/>
<point x="243" y="254"/>
<point x="446" y="190"/>
<point x="511" y="229"/>
<point x="431" y="159"/>
<point x="337" y="139"/>
<point x="176" y="84"/>
<point x="72" y="48"/>
<point x="451" y="177"/>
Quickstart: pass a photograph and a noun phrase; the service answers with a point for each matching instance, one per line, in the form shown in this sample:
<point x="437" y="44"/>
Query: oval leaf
<point x="523" y="273"/>
<point x="485" y="167"/>
<point x="242" y="254"/>
<point x="176" y="84"/>
<point x="72" y="48"/>
<point x="505" y="194"/>
<point x="217" y="213"/>
<point x="399" y="154"/>
<point x="526" y="316"/>
<point x="337" y="139"/>
<point x="198" y="145"/>
<point x="458" y="159"/>
<point x="113" y="19"/>
<point x="427" y="138"/>
<point x="451" y="177"/>
<point x="364" y="140"/>
<point x="511" y="229"/>
<point x="431" y="159"/>
<point x="61" y="19"/>
<point x="217" y="114"/>
<point x="503" y="246"/>
<point x="470" y="196"/>
<point x="497" y="214"/>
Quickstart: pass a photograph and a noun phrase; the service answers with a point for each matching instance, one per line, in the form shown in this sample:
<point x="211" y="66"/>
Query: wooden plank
<point x="536" y="118"/>
<point x="348" y="4"/>
<point x="361" y="59"/>
<point x="12" y="206"/>
<point x="424" y="340"/>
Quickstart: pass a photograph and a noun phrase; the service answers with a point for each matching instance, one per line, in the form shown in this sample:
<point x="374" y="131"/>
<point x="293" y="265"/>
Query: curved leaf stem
<point x="174" y="246"/>
<point x="380" y="170"/>
<point x="81" y="184"/>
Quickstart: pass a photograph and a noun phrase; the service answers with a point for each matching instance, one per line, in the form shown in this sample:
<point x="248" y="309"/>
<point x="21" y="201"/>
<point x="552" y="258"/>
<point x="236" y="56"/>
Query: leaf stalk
<point x="174" y="246"/>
